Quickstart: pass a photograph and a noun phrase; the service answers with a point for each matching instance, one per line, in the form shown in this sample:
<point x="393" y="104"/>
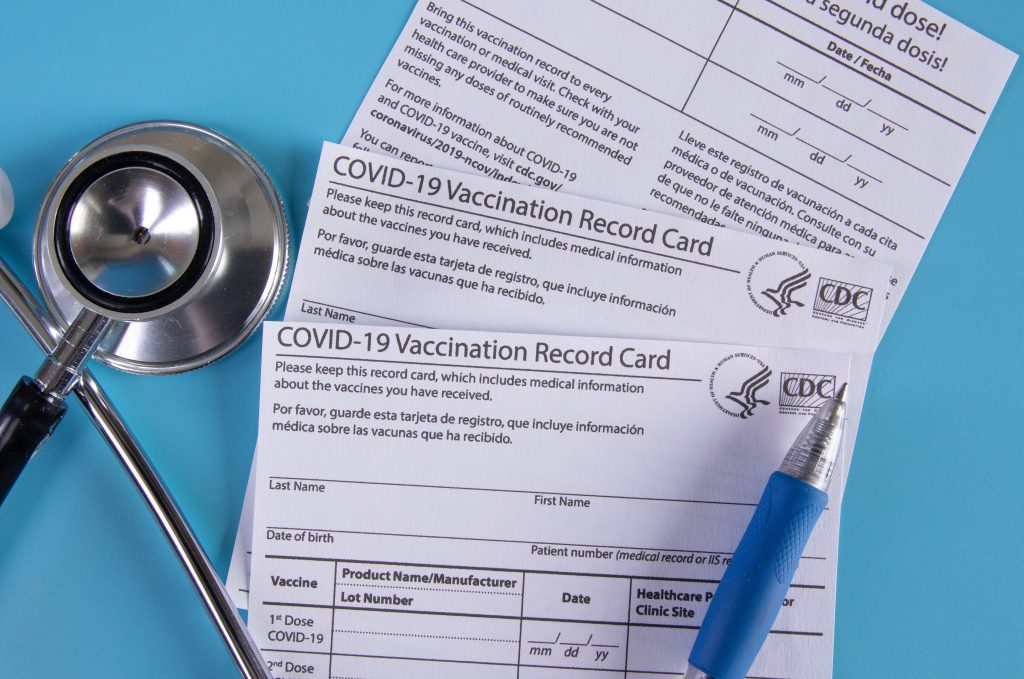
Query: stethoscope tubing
<point x="40" y="324"/>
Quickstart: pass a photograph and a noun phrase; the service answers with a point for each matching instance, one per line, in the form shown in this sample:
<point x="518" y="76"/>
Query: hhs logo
<point x="804" y="393"/>
<point x="775" y="281"/>
<point x="846" y="303"/>
<point x="736" y="383"/>
<point x="782" y="294"/>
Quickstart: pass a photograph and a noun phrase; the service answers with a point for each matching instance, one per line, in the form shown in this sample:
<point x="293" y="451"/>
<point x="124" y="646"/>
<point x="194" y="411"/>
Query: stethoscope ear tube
<point x="174" y="240"/>
<point x="36" y="406"/>
<point x="26" y="420"/>
<point x="239" y="642"/>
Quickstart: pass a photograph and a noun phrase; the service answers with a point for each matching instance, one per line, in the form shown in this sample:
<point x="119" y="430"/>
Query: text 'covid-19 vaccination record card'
<point x="472" y="505"/>
<point x="839" y="124"/>
<point x="390" y="242"/>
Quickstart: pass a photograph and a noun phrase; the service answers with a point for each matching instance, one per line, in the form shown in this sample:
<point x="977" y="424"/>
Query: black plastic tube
<point x="26" y="420"/>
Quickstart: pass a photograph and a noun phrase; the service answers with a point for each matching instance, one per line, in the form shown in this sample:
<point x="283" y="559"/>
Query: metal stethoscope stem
<point x="104" y="415"/>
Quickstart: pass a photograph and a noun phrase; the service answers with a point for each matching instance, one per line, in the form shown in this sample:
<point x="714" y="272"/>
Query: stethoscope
<point x="159" y="248"/>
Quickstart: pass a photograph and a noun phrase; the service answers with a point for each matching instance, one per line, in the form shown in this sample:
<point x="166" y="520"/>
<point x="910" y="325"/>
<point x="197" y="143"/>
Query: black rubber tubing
<point x="26" y="420"/>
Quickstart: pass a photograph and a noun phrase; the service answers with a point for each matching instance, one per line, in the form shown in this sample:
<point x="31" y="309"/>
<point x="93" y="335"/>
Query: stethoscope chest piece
<point x="171" y="229"/>
<point x="159" y="248"/>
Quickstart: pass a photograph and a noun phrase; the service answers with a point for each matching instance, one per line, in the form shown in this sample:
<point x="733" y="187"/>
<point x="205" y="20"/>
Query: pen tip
<point x="694" y="673"/>
<point x="841" y="394"/>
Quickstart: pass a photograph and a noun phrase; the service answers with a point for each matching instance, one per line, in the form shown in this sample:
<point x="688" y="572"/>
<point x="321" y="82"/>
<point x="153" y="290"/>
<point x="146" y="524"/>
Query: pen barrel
<point x="757" y="579"/>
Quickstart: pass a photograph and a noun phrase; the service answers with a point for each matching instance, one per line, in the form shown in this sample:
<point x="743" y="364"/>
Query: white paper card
<point x="841" y="125"/>
<point x="394" y="243"/>
<point x="477" y="504"/>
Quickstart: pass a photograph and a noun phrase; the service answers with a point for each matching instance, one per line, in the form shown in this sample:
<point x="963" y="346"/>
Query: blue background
<point x="929" y="583"/>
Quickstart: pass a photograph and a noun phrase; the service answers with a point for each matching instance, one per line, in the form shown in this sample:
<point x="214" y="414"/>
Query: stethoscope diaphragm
<point x="171" y="229"/>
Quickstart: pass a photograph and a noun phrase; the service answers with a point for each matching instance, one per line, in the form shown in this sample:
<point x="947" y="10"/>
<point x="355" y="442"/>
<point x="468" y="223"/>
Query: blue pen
<point x="755" y="583"/>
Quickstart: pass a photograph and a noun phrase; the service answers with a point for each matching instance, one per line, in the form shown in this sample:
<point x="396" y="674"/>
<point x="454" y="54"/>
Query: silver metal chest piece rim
<point x="227" y="292"/>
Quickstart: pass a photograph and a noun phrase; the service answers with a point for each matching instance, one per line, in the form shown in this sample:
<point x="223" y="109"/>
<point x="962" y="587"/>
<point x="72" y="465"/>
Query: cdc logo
<point x="804" y="393"/>
<point x="846" y="303"/>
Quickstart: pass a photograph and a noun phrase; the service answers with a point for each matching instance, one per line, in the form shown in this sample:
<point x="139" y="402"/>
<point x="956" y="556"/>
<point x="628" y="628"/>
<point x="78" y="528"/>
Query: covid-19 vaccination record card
<point x="390" y="242"/>
<point x="842" y="125"/>
<point x="811" y="121"/>
<point x="482" y="504"/>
